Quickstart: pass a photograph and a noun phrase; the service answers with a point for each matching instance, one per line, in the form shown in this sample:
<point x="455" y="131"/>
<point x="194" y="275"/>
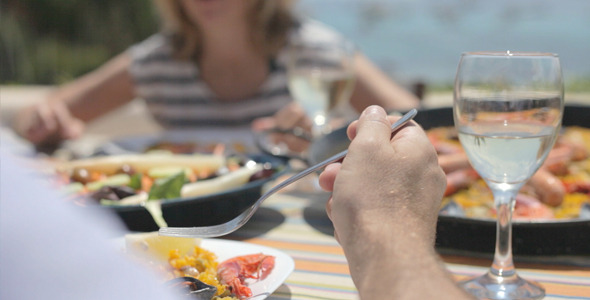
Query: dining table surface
<point x="294" y="221"/>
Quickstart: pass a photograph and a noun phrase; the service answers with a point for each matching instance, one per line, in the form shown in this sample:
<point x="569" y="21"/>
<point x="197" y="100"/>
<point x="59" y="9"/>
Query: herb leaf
<point x="167" y="188"/>
<point x="135" y="181"/>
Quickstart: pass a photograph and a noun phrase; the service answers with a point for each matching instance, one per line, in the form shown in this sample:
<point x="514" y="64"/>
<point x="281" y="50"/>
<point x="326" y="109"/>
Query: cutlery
<point x="240" y="220"/>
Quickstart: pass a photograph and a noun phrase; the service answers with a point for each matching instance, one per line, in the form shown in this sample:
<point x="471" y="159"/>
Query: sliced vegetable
<point x="136" y="199"/>
<point x="113" y="192"/>
<point x="144" y="162"/>
<point x="164" y="172"/>
<point x="155" y="209"/>
<point x="221" y="183"/>
<point x="117" y="179"/>
<point x="73" y="188"/>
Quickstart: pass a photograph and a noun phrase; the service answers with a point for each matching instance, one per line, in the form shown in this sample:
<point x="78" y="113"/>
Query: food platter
<point x="210" y="209"/>
<point x="225" y="249"/>
<point x="537" y="238"/>
<point x="558" y="237"/>
<point x="203" y="210"/>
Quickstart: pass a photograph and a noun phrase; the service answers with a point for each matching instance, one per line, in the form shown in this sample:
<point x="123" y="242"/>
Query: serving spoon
<point x="241" y="219"/>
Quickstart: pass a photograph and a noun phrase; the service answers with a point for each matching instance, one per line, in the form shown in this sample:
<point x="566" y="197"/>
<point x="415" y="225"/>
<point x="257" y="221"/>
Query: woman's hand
<point x="290" y="118"/>
<point x="47" y="123"/>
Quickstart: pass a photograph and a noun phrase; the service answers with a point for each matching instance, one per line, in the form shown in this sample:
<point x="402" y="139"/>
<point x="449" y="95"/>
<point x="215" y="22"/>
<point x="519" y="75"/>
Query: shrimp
<point x="234" y="272"/>
<point x="460" y="179"/>
<point x="442" y="140"/>
<point x="531" y="208"/>
<point x="563" y="154"/>
<point x="453" y="162"/>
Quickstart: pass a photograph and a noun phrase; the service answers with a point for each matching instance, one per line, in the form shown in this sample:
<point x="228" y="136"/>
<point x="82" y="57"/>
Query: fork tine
<point x="196" y="232"/>
<point x="210" y="231"/>
<point x="187" y="232"/>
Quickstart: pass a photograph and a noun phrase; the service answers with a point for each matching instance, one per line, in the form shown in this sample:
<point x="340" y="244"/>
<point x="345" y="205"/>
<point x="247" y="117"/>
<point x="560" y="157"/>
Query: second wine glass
<point x="321" y="77"/>
<point x="507" y="108"/>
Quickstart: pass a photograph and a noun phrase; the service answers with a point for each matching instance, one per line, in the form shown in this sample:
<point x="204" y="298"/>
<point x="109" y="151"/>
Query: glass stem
<point x="503" y="265"/>
<point x="321" y="125"/>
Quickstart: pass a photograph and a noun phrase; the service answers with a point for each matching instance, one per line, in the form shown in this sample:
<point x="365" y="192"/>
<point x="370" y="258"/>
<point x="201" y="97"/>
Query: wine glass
<point x="507" y="108"/>
<point x="321" y="77"/>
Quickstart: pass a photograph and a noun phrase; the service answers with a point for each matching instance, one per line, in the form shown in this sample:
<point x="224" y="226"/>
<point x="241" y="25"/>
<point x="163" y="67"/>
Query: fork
<point x="241" y="219"/>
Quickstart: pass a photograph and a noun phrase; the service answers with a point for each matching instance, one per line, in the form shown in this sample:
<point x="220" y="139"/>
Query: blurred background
<point x="48" y="42"/>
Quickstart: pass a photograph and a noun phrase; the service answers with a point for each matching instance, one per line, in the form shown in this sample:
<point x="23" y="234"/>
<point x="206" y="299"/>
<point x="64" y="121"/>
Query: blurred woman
<point x="214" y="63"/>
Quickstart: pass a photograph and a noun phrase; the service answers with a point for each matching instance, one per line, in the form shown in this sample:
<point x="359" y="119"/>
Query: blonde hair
<point x="270" y="21"/>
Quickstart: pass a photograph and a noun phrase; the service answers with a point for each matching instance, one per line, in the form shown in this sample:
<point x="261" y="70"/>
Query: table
<point x="295" y="222"/>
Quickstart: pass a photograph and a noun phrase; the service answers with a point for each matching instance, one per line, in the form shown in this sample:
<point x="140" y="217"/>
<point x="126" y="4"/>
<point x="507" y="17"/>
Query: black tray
<point x="477" y="236"/>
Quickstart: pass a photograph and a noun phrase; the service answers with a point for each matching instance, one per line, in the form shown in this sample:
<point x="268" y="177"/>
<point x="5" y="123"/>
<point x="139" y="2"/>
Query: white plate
<point x="225" y="249"/>
<point x="284" y="264"/>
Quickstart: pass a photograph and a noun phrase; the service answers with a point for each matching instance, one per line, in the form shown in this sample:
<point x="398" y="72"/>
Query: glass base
<point x="489" y="286"/>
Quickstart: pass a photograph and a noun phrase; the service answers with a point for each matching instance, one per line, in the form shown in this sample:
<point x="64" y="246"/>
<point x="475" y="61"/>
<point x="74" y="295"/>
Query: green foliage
<point x="52" y="41"/>
<point x="572" y="85"/>
<point x="577" y="85"/>
<point x="441" y="87"/>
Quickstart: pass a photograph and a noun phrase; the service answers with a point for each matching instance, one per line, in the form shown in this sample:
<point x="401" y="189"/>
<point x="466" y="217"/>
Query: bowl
<point x="204" y="210"/>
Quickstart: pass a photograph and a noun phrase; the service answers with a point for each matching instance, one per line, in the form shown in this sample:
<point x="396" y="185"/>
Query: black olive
<point x="80" y="175"/>
<point x="123" y="191"/>
<point x="126" y="169"/>
<point x="105" y="192"/>
<point x="114" y="193"/>
<point x="267" y="171"/>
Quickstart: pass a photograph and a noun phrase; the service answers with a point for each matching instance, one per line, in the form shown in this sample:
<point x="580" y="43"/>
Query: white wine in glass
<point x="321" y="77"/>
<point x="507" y="108"/>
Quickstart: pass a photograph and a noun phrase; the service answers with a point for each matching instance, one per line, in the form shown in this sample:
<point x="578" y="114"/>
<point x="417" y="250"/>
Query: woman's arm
<point x="375" y="87"/>
<point x="63" y="114"/>
<point x="100" y="91"/>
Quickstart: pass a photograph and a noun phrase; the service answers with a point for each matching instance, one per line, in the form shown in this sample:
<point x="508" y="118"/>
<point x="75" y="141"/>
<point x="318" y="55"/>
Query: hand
<point x="386" y="194"/>
<point x="382" y="178"/>
<point x="47" y="123"/>
<point x="290" y="117"/>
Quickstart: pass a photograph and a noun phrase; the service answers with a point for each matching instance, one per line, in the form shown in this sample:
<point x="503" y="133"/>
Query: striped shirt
<point x="177" y="96"/>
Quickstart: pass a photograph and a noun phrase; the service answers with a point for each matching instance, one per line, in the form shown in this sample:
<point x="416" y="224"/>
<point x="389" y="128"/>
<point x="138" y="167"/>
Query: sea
<point x="422" y="40"/>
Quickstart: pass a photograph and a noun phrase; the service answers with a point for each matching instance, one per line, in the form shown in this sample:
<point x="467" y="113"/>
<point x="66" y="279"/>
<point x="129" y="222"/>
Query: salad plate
<point x="204" y="210"/>
<point x="210" y="209"/>
<point x="213" y="205"/>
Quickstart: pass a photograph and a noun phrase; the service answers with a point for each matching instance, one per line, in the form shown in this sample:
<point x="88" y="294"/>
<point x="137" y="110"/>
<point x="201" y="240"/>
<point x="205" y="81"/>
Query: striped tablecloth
<point x="295" y="222"/>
